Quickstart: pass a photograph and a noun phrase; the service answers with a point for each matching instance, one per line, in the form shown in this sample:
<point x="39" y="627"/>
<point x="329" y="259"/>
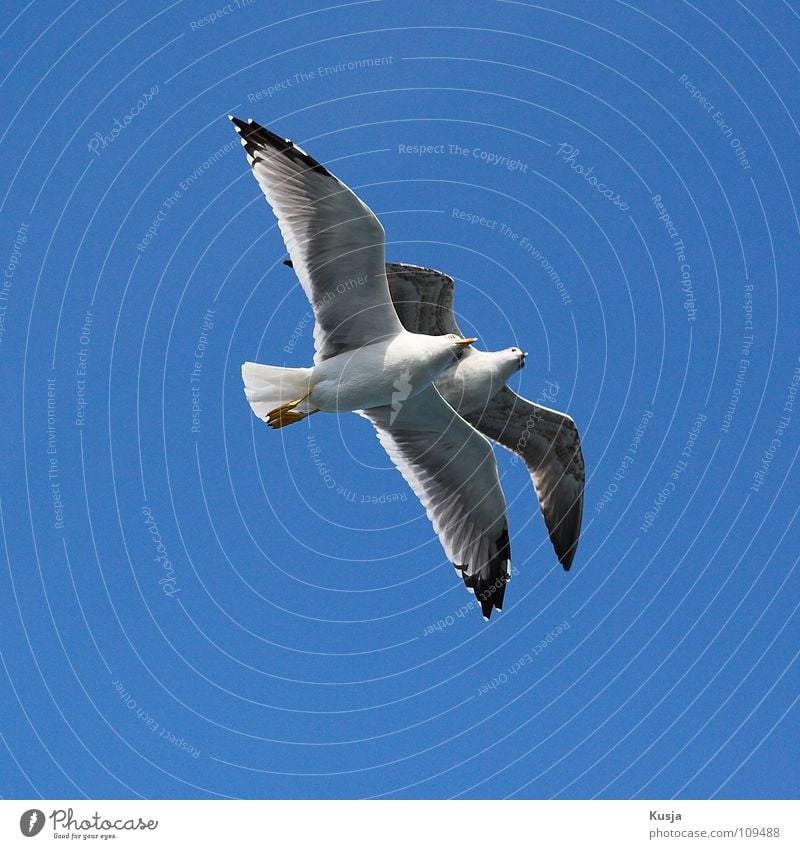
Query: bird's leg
<point x="286" y="415"/>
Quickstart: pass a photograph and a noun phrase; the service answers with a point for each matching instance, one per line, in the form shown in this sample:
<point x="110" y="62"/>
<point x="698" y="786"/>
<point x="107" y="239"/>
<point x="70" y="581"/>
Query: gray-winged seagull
<point x="475" y="386"/>
<point x="367" y="362"/>
<point x="546" y="440"/>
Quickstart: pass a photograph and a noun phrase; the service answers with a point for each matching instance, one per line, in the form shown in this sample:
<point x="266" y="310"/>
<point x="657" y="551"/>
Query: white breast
<point x="473" y="380"/>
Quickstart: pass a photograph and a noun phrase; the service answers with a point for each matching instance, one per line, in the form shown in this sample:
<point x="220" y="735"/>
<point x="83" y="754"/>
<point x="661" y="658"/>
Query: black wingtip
<point x="565" y="535"/>
<point x="566" y="556"/>
<point x="238" y="123"/>
<point x="257" y="139"/>
<point x="488" y="581"/>
<point x="289" y="263"/>
<point x="490" y="599"/>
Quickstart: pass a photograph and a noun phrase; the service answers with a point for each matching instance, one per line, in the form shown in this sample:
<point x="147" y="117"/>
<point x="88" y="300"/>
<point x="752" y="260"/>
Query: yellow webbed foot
<point x="286" y="414"/>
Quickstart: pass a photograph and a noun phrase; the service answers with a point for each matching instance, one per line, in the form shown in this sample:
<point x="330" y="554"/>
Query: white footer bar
<point x="403" y="824"/>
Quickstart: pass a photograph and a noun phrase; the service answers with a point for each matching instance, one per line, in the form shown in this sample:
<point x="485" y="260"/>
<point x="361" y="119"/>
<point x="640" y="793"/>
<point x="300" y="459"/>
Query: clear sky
<point x="196" y="606"/>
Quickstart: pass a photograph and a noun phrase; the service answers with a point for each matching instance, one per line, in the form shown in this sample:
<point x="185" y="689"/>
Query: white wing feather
<point x="453" y="472"/>
<point x="335" y="241"/>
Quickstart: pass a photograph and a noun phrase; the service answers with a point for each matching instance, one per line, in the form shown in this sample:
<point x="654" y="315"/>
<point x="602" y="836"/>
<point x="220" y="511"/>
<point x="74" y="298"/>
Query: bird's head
<point x="511" y="360"/>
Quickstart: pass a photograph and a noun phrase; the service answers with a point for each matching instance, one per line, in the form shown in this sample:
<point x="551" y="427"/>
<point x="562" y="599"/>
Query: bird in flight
<point x="545" y="440"/>
<point x="387" y="347"/>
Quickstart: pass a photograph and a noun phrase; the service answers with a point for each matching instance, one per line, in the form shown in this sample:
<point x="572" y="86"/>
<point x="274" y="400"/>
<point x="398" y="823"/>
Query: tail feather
<point x="270" y="387"/>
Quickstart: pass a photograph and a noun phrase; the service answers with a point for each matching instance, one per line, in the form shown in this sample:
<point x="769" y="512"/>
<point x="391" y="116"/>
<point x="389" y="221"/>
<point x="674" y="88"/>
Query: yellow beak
<point x="468" y="341"/>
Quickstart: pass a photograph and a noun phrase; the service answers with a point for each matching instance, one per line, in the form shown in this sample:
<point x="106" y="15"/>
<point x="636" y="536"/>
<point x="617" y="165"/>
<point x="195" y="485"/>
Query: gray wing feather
<point x="549" y="444"/>
<point x="423" y="298"/>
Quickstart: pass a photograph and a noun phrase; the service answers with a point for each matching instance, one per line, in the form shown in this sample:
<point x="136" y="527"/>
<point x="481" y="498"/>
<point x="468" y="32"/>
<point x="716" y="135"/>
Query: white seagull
<point x="475" y="386"/>
<point x="367" y="362"/>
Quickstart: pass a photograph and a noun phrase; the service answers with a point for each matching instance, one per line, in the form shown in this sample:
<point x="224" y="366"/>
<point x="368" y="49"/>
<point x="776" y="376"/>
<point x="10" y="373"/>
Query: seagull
<point x="546" y="440"/>
<point x="365" y="361"/>
<point x="475" y="386"/>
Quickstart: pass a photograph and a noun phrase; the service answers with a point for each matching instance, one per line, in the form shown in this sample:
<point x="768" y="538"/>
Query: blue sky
<point x="196" y="606"/>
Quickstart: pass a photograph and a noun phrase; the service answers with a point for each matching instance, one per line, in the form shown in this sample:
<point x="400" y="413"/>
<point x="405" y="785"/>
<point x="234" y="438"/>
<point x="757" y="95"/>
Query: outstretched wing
<point x="452" y="470"/>
<point x="549" y="444"/>
<point x="335" y="241"/>
<point x="423" y="299"/>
